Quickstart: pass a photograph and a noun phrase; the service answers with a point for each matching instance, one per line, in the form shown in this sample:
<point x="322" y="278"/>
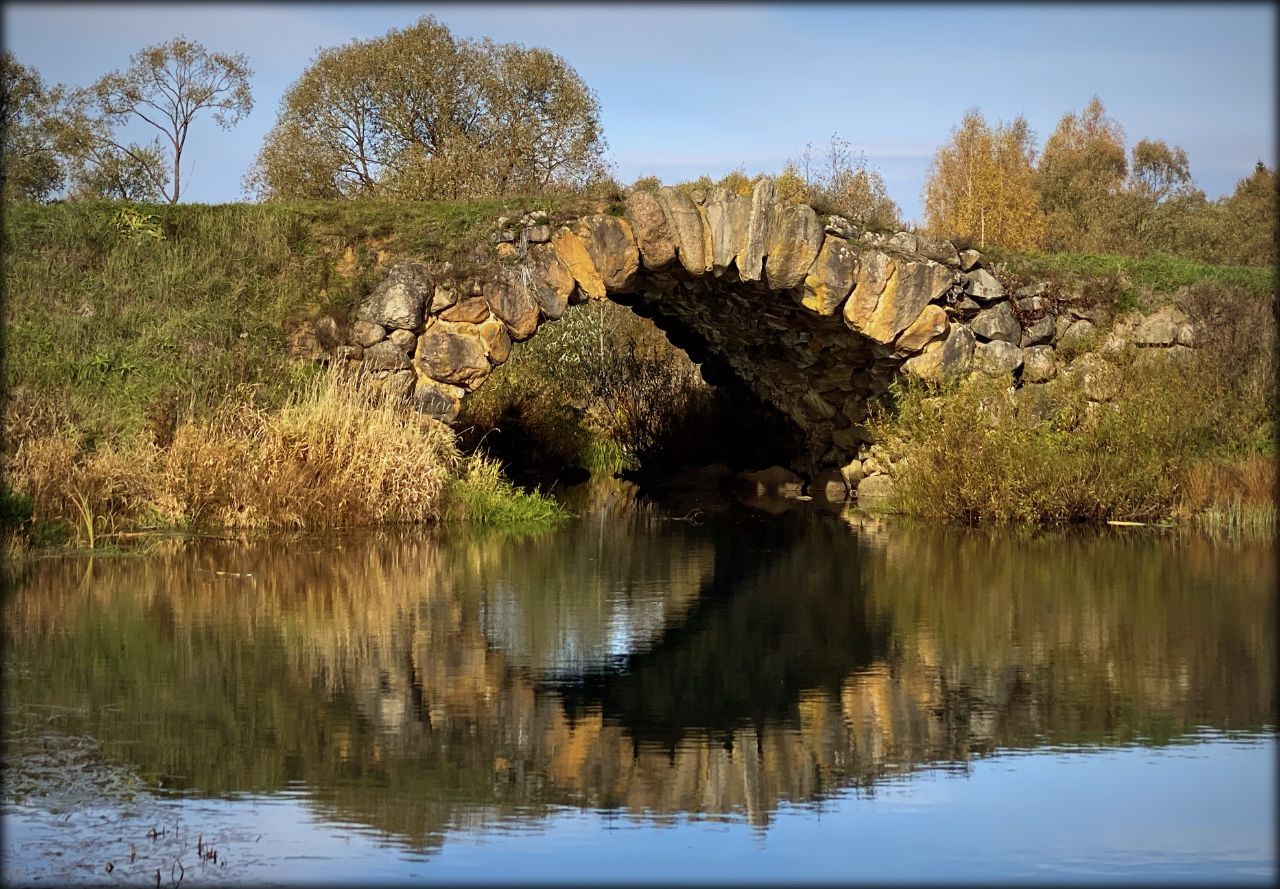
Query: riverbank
<point x="161" y="372"/>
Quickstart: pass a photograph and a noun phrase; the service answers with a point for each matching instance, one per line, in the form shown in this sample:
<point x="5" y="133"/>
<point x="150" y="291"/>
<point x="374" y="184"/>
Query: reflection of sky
<point x="1194" y="812"/>
<point x="588" y="632"/>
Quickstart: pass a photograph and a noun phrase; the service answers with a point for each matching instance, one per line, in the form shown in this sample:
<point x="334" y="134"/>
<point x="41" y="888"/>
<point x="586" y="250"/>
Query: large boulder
<point x="366" y="333"/>
<point x="438" y="400"/>
<point x="385" y="355"/>
<point x="444" y="295"/>
<point x="829" y="486"/>
<point x="405" y="339"/>
<point x="983" y="286"/>
<point x="399" y="300"/>
<point x="939" y="251"/>
<point x="572" y="253"/>
<point x="1039" y="332"/>
<point x="612" y="247"/>
<point x="1166" y="327"/>
<point x="890" y="294"/>
<point x="513" y="303"/>
<point x="944" y="359"/>
<point x="928" y="326"/>
<point x="471" y="310"/>
<point x="997" y="358"/>
<point x="1078" y="337"/>
<point x="453" y="353"/>
<point x="693" y="238"/>
<point x="1039" y="364"/>
<point x="831" y="278"/>
<point x="728" y="215"/>
<point x="496" y="340"/>
<point x="750" y="260"/>
<point x="776" y="481"/>
<point x="550" y="281"/>
<point x="654" y="237"/>
<point x="873" y="274"/>
<point x="906" y="242"/>
<point x="877" y="492"/>
<point x="997" y="322"/>
<point x="795" y="237"/>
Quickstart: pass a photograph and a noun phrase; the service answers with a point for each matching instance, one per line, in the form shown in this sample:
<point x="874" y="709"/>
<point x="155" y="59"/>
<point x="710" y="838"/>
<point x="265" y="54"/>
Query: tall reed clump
<point x="1236" y="496"/>
<point x="337" y="454"/>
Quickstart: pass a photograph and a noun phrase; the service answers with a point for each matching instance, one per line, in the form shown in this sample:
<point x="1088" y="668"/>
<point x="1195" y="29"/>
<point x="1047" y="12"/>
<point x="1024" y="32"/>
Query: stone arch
<point x="813" y="315"/>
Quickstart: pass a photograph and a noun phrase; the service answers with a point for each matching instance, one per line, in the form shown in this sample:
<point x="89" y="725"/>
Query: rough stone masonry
<point x="817" y="317"/>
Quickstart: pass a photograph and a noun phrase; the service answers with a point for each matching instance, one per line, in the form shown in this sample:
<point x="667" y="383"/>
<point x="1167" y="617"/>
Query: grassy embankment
<point x="145" y="345"/>
<point x="147" y="380"/>
<point x="1191" y="441"/>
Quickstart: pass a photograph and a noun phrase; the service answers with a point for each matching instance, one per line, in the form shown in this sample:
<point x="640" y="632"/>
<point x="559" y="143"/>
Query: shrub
<point x="976" y="452"/>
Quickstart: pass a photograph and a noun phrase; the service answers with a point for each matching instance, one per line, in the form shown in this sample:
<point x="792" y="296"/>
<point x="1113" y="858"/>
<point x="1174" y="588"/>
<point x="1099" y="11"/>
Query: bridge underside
<point x="811" y="369"/>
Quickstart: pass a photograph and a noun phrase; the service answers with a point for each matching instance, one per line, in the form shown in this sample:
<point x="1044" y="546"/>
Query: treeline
<point x="1085" y="193"/>
<point x="62" y="142"/>
<point x="419" y="114"/>
<point x="415" y="114"/>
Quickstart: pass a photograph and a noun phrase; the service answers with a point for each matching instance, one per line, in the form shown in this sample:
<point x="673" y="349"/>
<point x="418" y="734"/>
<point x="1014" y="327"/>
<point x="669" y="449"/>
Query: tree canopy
<point x="31" y="168"/>
<point x="418" y="113"/>
<point x="979" y="186"/>
<point x="1080" y="178"/>
<point x="167" y="85"/>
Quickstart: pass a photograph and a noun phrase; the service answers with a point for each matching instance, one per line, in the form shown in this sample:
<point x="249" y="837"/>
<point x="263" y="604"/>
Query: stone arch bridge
<point x="813" y="315"/>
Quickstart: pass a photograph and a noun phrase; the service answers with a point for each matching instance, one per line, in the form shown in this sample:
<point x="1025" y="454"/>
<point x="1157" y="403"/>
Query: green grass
<point x="114" y="310"/>
<point x="482" y="495"/>
<point x="1157" y="273"/>
<point x="604" y="456"/>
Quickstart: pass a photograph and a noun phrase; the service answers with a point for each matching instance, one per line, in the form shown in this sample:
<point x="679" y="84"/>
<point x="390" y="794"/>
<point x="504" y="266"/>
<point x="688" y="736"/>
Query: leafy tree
<point x="1081" y="176"/>
<point x="979" y="186"/>
<point x="420" y="114"/>
<point x="32" y="168"/>
<point x="57" y="144"/>
<point x="1248" y="219"/>
<point x="1151" y="212"/>
<point x="168" y="85"/>
<point x="1158" y="171"/>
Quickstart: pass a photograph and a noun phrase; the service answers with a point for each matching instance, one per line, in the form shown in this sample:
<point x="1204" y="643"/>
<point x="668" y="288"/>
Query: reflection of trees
<point x="423" y="684"/>
<point x="1078" y="636"/>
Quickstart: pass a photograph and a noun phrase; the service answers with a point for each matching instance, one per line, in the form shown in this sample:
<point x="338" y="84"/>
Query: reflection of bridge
<point x="793" y="660"/>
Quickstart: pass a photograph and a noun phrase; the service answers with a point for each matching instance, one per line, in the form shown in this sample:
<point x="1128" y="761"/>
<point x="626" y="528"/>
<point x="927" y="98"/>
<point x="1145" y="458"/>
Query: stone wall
<point x="813" y="314"/>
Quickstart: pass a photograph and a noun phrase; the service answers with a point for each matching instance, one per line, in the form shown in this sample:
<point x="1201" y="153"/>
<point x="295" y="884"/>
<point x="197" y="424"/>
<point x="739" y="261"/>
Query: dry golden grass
<point x="336" y="455"/>
<point x="1238" y="494"/>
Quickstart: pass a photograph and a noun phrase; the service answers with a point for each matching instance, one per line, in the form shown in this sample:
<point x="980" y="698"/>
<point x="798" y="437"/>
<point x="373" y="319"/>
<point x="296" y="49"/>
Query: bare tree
<point x="168" y="84"/>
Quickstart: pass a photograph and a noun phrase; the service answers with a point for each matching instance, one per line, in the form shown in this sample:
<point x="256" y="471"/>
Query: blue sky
<point x="687" y="89"/>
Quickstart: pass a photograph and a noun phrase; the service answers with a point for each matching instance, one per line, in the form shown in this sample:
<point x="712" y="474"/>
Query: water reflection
<point x="423" y="684"/>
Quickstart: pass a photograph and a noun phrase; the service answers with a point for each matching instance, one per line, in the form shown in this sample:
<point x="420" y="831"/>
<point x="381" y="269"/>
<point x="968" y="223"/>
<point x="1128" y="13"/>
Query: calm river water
<point x="804" y="697"/>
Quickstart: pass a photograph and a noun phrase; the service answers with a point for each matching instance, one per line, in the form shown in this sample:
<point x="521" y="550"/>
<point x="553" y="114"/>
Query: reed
<point x="337" y="454"/>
